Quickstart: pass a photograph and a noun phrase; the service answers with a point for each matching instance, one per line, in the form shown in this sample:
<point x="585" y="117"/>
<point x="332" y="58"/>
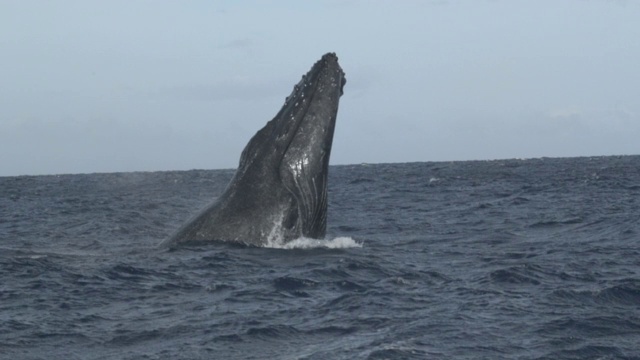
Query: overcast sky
<point x="104" y="86"/>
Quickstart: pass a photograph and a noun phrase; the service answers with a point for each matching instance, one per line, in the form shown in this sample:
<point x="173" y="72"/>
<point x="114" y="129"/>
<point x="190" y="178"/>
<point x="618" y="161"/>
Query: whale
<point x="279" y="190"/>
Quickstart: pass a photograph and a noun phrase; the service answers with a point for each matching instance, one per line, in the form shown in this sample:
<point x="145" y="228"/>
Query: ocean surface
<point x="504" y="259"/>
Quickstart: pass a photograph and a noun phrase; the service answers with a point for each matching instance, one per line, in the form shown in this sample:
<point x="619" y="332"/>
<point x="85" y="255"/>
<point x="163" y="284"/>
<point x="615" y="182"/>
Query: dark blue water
<point x="513" y="259"/>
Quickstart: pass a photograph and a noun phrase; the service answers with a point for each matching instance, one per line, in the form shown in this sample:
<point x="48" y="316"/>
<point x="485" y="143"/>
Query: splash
<point x="276" y="236"/>
<point x="307" y="243"/>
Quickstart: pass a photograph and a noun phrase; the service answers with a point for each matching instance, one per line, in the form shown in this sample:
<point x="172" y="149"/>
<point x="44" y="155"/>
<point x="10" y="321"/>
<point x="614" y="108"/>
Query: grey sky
<point x="103" y="86"/>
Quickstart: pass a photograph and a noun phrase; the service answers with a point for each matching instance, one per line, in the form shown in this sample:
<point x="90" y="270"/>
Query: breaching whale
<point x="279" y="191"/>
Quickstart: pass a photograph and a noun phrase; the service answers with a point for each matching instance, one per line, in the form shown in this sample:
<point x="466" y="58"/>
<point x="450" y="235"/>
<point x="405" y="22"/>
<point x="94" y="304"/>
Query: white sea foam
<point x="275" y="239"/>
<point x="307" y="243"/>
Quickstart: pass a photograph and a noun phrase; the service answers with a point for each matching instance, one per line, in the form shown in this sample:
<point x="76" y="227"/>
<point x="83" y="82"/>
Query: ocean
<point x="501" y="259"/>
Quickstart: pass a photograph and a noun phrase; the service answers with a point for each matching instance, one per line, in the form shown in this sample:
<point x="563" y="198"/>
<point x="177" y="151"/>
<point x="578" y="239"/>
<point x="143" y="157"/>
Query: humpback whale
<point x="279" y="191"/>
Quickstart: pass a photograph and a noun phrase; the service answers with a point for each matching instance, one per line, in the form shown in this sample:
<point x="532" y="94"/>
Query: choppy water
<point x="513" y="259"/>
